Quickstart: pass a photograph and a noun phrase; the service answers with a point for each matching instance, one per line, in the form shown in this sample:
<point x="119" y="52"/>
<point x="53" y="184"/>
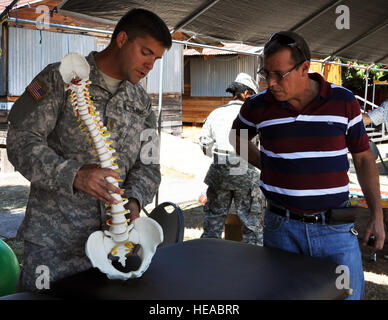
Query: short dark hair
<point x="237" y="88"/>
<point x="287" y="39"/>
<point x="141" y="22"/>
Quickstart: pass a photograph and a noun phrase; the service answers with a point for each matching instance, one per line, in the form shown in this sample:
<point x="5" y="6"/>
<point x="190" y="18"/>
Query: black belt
<point x="304" y="218"/>
<point x="333" y="216"/>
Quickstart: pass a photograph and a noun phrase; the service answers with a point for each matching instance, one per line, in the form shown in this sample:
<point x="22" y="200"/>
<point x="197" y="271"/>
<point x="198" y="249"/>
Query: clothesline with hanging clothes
<point x="330" y="72"/>
<point x="199" y="45"/>
<point x="351" y="65"/>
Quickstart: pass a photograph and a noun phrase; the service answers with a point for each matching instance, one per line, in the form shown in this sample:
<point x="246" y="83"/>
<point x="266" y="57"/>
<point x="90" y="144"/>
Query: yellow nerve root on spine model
<point x="123" y="234"/>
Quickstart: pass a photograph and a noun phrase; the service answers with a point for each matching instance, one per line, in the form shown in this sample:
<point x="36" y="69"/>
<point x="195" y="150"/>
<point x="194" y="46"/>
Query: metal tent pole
<point x="194" y="16"/>
<point x="160" y="116"/>
<point x="61" y="26"/>
<point x="366" y="101"/>
<point x="366" y="84"/>
<point x="109" y="32"/>
<point x="366" y="88"/>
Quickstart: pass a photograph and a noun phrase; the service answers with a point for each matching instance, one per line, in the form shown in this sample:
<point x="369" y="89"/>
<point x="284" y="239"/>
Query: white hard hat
<point x="247" y="80"/>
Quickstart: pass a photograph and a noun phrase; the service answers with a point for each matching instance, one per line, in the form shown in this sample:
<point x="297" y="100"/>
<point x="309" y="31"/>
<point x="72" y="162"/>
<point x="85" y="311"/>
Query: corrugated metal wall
<point x="2" y="63"/>
<point x="24" y="58"/>
<point x="172" y="72"/>
<point x="32" y="50"/>
<point x="211" y="77"/>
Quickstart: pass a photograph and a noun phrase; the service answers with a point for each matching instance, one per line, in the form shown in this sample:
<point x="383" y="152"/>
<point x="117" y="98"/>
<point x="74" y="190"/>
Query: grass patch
<point x="13" y="197"/>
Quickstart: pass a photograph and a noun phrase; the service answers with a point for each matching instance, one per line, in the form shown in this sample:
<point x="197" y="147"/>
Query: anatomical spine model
<point x="123" y="234"/>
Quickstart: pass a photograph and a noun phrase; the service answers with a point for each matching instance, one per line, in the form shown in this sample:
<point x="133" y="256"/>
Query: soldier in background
<point x="68" y="190"/>
<point x="224" y="185"/>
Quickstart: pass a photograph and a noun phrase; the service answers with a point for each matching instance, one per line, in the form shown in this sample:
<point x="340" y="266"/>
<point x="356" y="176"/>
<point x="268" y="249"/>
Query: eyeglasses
<point x="266" y="75"/>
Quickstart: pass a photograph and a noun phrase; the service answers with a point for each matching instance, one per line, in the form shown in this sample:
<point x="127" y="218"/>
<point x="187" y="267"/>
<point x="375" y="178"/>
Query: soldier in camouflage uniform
<point x="68" y="190"/>
<point x="229" y="176"/>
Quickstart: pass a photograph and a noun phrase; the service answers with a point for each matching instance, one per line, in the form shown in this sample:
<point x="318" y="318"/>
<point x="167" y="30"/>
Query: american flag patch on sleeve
<point x="36" y="90"/>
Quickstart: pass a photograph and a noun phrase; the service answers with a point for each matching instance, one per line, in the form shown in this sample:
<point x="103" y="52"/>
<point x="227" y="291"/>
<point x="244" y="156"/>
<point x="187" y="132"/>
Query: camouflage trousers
<point x="248" y="203"/>
<point x="43" y="265"/>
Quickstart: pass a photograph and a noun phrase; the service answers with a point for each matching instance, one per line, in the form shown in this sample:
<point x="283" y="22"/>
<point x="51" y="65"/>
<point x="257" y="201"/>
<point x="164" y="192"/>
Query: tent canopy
<point x="253" y="21"/>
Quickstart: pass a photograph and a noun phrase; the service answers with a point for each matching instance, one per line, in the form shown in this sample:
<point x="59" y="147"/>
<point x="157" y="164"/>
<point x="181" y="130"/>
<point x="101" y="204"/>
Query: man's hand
<point x="375" y="228"/>
<point x="368" y="178"/>
<point x="133" y="207"/>
<point x="366" y="119"/>
<point x="92" y="179"/>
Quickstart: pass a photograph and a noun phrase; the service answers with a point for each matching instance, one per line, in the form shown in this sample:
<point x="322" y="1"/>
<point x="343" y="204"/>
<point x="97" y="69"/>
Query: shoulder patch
<point x="37" y="91"/>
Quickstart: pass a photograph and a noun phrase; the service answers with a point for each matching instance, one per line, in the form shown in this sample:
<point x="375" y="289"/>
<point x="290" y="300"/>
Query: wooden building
<point x="207" y="73"/>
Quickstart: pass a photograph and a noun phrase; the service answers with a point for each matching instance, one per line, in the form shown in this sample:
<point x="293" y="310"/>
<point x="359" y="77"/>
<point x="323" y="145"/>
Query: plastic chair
<point x="171" y="222"/>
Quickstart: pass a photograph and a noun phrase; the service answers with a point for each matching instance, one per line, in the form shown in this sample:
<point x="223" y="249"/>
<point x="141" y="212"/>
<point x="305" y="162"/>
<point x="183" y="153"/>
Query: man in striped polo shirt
<point x="306" y="127"/>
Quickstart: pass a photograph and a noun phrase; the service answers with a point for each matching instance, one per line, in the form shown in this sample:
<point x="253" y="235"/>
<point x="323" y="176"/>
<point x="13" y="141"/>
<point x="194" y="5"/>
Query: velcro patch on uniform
<point x="36" y="90"/>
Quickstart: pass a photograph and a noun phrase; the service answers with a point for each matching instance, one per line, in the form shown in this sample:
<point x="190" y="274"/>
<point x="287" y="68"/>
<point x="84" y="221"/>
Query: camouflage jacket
<point x="46" y="145"/>
<point x="229" y="171"/>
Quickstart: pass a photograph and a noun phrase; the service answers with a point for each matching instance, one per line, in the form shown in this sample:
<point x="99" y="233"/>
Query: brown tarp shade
<point x="252" y="22"/>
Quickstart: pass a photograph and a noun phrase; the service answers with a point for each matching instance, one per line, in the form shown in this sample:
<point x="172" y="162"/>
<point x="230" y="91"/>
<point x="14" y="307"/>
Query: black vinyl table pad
<point x="214" y="269"/>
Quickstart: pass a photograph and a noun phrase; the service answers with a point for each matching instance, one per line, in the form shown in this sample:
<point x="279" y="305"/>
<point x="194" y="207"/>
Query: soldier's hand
<point x="134" y="210"/>
<point x="92" y="179"/>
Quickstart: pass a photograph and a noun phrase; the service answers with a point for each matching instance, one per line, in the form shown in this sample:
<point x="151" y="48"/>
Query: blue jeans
<point x="334" y="242"/>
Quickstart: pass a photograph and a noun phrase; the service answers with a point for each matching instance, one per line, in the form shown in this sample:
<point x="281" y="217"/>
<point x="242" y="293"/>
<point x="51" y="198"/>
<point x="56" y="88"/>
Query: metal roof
<point x="20" y="3"/>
